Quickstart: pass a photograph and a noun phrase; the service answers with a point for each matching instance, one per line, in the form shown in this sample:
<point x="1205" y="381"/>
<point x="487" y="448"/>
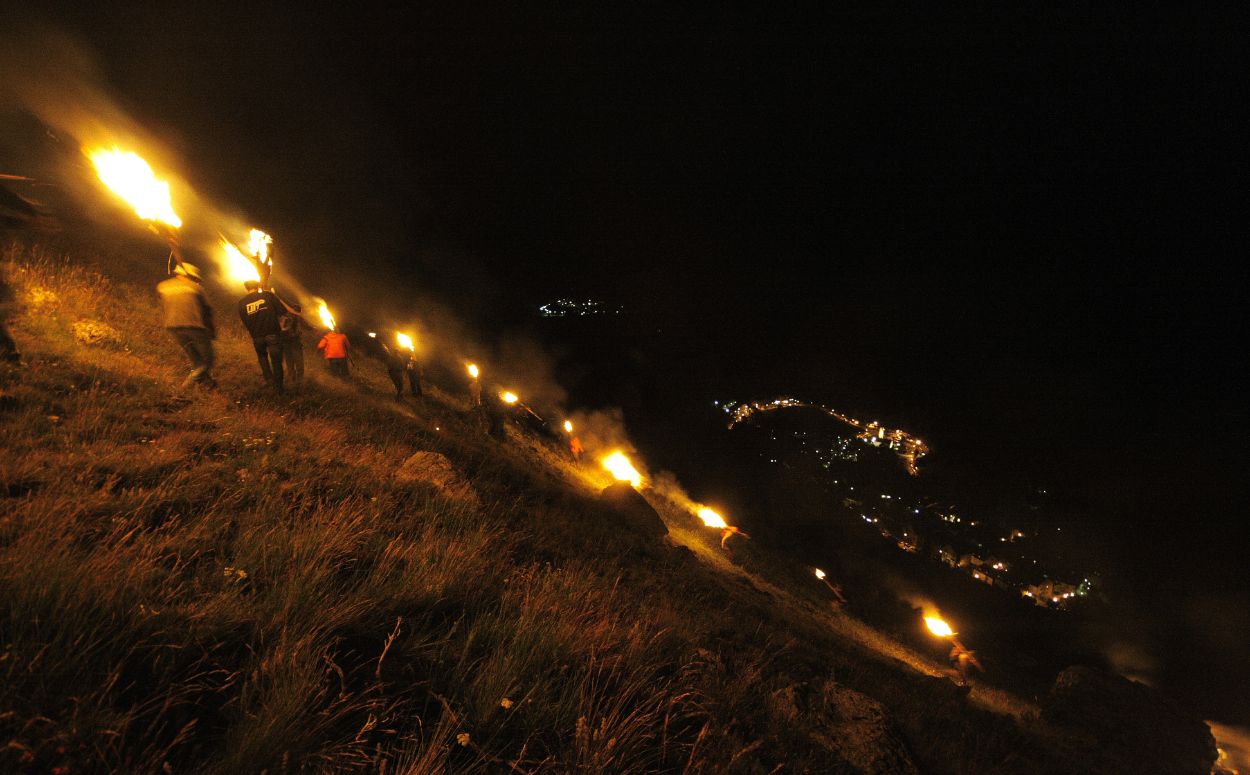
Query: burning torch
<point x="475" y="386"/>
<point x="963" y="656"/>
<point x="127" y="175"/>
<point x="575" y="444"/>
<point x="621" y="469"/>
<point x="512" y="399"/>
<point x="714" y="520"/>
<point x="836" y="589"/>
<point x="260" y="246"/>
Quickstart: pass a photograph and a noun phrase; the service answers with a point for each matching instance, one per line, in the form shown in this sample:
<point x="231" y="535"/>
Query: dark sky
<point x="993" y="227"/>
<point x="1007" y="226"/>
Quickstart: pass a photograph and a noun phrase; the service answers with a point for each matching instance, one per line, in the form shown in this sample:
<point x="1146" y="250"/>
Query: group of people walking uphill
<point x="274" y="325"/>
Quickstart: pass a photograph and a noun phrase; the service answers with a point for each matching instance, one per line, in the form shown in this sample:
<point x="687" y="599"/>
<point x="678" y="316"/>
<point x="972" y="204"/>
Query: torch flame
<point x="405" y="342"/>
<point x="509" y="397"/>
<point x="326" y="318"/>
<point x="474" y="372"/>
<point x="712" y="519"/>
<point x="258" y="243"/>
<point x="238" y="266"/>
<point x="820" y="574"/>
<point x="568" y="426"/>
<point x="621" y="469"/>
<point x="938" y="627"/>
<point x="130" y="177"/>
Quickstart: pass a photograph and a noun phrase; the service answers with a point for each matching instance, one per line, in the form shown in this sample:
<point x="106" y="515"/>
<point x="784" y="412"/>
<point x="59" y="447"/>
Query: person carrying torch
<point x="260" y="311"/>
<point x="333" y="345"/>
<point x="291" y="323"/>
<point x="188" y="317"/>
<point x="960" y="656"/>
<point x="836" y="589"/>
<point x="412" y="366"/>
<point x="575" y="444"/>
<point x="475" y="386"/>
<point x="396" y="365"/>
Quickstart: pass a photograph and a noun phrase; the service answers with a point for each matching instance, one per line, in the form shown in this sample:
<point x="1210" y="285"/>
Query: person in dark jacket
<point x="291" y="323"/>
<point x="415" y="374"/>
<point x="396" y="365"/>
<point x="259" y="310"/>
<point x="189" y="318"/>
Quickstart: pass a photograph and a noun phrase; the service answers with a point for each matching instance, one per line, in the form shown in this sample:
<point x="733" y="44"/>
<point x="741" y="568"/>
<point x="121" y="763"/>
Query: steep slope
<point x="228" y="582"/>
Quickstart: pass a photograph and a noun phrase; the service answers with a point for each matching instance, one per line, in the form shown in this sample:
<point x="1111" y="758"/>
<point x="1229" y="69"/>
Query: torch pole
<point x="175" y="249"/>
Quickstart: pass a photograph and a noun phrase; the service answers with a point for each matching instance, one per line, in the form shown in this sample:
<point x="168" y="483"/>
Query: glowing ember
<point x="474" y="372"/>
<point x="938" y="627"/>
<point x="326" y="318"/>
<point x="239" y="267"/>
<point x="820" y="574"/>
<point x="405" y="342"/>
<point x="712" y="519"/>
<point x="620" y="468"/>
<point x="258" y="243"/>
<point x="568" y="426"/>
<point x="509" y="397"/>
<point x="131" y="178"/>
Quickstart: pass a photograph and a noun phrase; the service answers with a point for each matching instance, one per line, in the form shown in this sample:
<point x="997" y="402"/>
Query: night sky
<point x="985" y="229"/>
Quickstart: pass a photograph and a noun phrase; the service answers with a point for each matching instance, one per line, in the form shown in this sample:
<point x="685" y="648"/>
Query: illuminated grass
<point x="226" y="582"/>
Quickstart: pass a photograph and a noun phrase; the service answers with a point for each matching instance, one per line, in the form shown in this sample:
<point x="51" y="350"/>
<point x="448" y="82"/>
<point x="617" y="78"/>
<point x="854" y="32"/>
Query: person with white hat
<point x="189" y="317"/>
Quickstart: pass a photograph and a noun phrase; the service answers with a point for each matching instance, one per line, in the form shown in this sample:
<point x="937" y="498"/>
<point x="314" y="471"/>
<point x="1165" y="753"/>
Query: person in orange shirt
<point x="333" y="347"/>
<point x="576" y="448"/>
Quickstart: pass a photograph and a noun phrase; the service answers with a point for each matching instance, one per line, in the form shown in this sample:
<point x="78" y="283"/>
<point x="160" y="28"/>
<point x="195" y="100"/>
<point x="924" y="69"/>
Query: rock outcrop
<point x="438" y="472"/>
<point x="1130" y="727"/>
<point x="633" y="510"/>
<point x="855" y="729"/>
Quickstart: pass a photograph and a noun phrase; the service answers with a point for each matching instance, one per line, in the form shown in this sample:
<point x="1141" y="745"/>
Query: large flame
<point x="258" y="243"/>
<point x="621" y="469"/>
<point x="509" y="397"/>
<point x="131" y="178"/>
<point x="712" y="519"/>
<point x="326" y="318"/>
<point x="938" y="626"/>
<point x="474" y="371"/>
<point x="239" y="267"/>
<point x="405" y="342"/>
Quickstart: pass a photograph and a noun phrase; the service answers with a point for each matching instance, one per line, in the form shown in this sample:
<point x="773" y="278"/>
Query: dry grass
<point x="231" y="583"/>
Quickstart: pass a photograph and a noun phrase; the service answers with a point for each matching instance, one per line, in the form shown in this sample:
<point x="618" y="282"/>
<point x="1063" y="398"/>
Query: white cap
<point x="188" y="270"/>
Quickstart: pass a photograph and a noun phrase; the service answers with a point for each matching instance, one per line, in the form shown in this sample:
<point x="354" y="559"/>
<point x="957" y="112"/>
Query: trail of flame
<point x="258" y="243"/>
<point x="238" y="266"/>
<point x="326" y="317"/>
<point x="620" y="468"/>
<point x="131" y="178"/>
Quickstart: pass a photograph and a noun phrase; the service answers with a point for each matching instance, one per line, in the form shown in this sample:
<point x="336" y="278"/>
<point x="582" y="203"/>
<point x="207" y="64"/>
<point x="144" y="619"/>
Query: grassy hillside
<point x="230" y="582"/>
